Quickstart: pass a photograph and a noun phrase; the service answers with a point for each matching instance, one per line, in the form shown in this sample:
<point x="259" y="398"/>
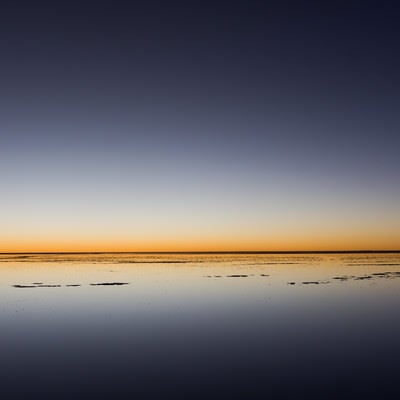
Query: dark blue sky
<point x="245" y="105"/>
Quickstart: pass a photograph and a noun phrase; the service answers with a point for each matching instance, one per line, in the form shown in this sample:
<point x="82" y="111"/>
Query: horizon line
<point x="209" y="252"/>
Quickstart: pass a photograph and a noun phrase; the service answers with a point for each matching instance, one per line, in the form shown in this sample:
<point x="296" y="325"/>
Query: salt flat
<point x="154" y="325"/>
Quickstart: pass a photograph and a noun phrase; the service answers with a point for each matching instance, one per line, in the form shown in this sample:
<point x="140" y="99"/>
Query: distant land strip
<point x="211" y="252"/>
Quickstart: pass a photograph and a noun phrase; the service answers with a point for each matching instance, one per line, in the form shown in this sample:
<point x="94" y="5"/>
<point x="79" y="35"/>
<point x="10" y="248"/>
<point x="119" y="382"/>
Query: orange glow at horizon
<point x="279" y="242"/>
<point x="228" y="224"/>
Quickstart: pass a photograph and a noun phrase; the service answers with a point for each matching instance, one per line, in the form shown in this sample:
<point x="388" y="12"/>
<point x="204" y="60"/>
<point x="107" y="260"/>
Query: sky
<point x="196" y="126"/>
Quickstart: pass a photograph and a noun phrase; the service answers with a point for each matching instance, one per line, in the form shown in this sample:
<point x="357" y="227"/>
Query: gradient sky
<point x="199" y="126"/>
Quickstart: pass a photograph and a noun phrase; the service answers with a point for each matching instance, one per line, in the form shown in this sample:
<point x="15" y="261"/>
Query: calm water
<point x="200" y="326"/>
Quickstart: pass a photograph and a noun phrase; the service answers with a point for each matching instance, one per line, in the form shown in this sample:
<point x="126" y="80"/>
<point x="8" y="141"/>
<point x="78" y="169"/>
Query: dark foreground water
<point x="200" y="326"/>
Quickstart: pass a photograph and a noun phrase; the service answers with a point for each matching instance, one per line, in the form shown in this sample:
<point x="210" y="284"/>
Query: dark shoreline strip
<point x="216" y="252"/>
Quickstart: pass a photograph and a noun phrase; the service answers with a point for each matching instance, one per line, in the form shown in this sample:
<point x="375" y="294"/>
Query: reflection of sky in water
<point x="193" y="319"/>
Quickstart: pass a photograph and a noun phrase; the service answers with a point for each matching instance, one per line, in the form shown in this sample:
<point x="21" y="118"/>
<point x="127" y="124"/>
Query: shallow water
<point x="200" y="325"/>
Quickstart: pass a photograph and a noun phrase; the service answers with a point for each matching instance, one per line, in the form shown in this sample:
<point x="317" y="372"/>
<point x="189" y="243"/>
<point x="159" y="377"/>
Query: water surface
<point x="200" y="325"/>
